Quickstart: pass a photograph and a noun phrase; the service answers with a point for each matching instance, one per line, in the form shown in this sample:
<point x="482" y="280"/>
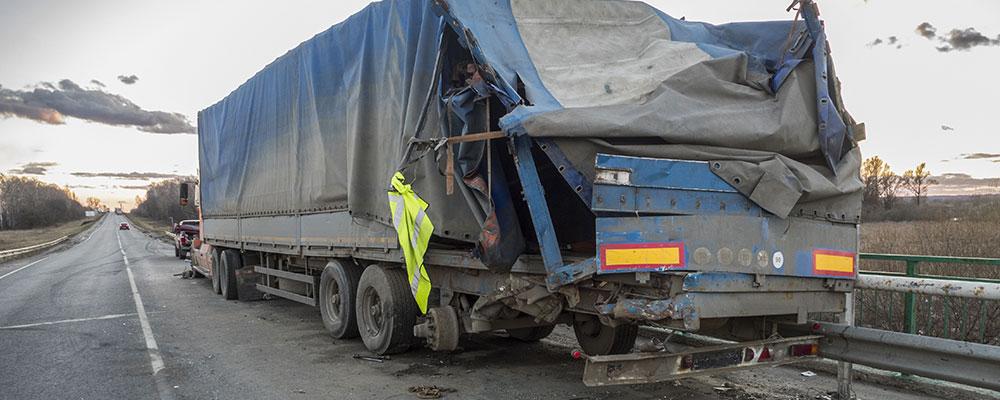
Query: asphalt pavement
<point x="107" y="316"/>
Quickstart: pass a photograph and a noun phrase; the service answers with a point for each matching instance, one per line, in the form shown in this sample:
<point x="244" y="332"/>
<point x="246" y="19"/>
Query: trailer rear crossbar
<point x="635" y="368"/>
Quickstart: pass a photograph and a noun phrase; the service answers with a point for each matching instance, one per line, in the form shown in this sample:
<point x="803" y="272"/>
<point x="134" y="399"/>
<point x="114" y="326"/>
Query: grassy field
<point x="962" y="319"/>
<point x="939" y="238"/>
<point x="15" y="239"/>
<point x="152" y="227"/>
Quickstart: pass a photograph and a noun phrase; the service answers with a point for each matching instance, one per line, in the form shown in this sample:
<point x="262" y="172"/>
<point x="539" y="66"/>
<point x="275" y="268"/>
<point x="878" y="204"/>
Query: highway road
<point x="107" y="316"/>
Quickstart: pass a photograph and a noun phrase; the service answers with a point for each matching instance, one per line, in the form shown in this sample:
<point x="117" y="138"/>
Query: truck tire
<point x="216" y="271"/>
<point x="532" y="334"/>
<point x="227" y="278"/>
<point x="338" y="287"/>
<point x="597" y="339"/>
<point x="386" y="310"/>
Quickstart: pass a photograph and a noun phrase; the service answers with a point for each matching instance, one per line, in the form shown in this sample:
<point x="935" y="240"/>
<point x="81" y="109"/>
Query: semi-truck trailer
<point x="429" y="169"/>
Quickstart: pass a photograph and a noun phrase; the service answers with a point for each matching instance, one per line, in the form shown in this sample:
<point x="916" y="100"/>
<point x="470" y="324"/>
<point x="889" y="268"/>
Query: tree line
<point x="27" y="203"/>
<point x="162" y="202"/>
<point x="882" y="185"/>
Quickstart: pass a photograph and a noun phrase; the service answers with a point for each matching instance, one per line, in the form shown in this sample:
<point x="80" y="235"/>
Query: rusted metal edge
<point x="636" y="368"/>
<point x="936" y="287"/>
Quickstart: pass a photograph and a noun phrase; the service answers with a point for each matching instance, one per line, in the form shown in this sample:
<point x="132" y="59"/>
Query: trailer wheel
<point x="227" y="278"/>
<point x="532" y="334"/>
<point x="338" y="287"/>
<point x="386" y="310"/>
<point x="597" y="339"/>
<point x="216" y="272"/>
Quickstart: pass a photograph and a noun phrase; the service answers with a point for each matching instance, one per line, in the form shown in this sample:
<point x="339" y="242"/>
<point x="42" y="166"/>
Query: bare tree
<point x="917" y="181"/>
<point x="870" y="171"/>
<point x="93" y="203"/>
<point x="29" y="203"/>
<point x="880" y="183"/>
<point x="162" y="202"/>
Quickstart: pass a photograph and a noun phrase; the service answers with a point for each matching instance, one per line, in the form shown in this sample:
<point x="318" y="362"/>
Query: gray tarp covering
<point x="324" y="126"/>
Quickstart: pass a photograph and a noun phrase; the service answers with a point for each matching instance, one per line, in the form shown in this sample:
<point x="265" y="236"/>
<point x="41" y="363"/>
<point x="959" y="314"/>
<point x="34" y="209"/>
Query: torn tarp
<point x="323" y="127"/>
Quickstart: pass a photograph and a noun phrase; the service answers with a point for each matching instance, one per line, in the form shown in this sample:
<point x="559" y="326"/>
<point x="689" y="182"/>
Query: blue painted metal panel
<point x="663" y="173"/>
<point x="576" y="180"/>
<point x="732" y="243"/>
<point x="660" y="186"/>
<point x="571" y="273"/>
<point x="625" y="199"/>
<point x="534" y="195"/>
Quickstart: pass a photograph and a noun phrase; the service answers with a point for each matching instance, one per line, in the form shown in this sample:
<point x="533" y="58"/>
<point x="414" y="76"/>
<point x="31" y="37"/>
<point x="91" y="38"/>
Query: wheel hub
<point x="374" y="318"/>
<point x="333" y="300"/>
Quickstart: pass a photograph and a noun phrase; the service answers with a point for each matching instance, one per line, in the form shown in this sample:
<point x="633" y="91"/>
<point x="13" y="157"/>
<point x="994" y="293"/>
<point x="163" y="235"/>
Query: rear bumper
<point x="634" y="368"/>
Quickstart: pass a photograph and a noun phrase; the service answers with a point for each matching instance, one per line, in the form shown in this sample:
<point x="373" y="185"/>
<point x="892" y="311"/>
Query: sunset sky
<point x="922" y="97"/>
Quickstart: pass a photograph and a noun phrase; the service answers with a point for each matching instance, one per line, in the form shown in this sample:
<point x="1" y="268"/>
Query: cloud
<point x="966" y="39"/>
<point x="889" y="41"/>
<point x="926" y="30"/>
<point x="956" y="39"/>
<point x="139" y="176"/>
<point x="963" y="184"/>
<point x="97" y="82"/>
<point x="133" y="187"/>
<point x="51" y="104"/>
<point x="128" y="79"/>
<point x="33" y="168"/>
<point x="980" y="156"/>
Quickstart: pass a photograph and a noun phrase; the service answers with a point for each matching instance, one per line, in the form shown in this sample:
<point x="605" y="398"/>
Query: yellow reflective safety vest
<point x="413" y="228"/>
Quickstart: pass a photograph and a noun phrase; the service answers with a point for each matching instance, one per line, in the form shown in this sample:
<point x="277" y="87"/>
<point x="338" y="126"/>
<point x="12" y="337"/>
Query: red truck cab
<point x="186" y="232"/>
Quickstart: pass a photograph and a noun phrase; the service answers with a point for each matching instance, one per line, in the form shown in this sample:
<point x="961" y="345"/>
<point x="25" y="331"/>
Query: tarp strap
<point x="413" y="230"/>
<point x="450" y="162"/>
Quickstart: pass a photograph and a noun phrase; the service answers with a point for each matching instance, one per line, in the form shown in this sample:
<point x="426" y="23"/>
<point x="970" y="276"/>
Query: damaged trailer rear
<point x="595" y="163"/>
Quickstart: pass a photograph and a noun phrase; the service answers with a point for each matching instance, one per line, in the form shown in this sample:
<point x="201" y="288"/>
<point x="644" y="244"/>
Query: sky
<point x="160" y="62"/>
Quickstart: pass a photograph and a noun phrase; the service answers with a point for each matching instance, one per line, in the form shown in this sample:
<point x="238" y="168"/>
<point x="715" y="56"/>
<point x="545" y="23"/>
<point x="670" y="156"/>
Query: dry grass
<point x="962" y="319"/>
<point x="15" y="239"/>
<point x="152" y="227"/>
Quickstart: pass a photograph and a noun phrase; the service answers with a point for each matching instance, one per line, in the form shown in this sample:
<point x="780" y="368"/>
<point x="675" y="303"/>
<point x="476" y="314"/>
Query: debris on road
<point x="377" y="359"/>
<point x="430" y="392"/>
<point x="808" y="374"/>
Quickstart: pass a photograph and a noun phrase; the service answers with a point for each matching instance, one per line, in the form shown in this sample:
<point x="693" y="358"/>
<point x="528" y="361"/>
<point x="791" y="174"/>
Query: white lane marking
<point x="155" y="360"/>
<point x="26" y="266"/>
<point x="66" y="321"/>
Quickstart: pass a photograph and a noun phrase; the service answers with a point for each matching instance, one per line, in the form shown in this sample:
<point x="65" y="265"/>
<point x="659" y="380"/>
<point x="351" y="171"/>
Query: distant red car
<point x="124" y="226"/>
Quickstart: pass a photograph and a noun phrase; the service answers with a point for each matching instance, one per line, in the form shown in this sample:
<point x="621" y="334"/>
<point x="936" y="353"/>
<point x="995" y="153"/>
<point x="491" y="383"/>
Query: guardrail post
<point x="910" y="301"/>
<point x="844" y="368"/>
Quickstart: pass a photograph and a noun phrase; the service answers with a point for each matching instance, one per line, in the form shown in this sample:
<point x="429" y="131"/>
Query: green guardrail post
<point x="910" y="301"/>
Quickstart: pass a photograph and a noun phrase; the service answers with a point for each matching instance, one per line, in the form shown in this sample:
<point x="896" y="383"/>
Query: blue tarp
<point x="324" y="126"/>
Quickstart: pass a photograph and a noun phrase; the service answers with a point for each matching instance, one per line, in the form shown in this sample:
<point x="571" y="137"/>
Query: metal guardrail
<point x="951" y="290"/>
<point x="951" y="360"/>
<point x="912" y="350"/>
<point x="16" y="252"/>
